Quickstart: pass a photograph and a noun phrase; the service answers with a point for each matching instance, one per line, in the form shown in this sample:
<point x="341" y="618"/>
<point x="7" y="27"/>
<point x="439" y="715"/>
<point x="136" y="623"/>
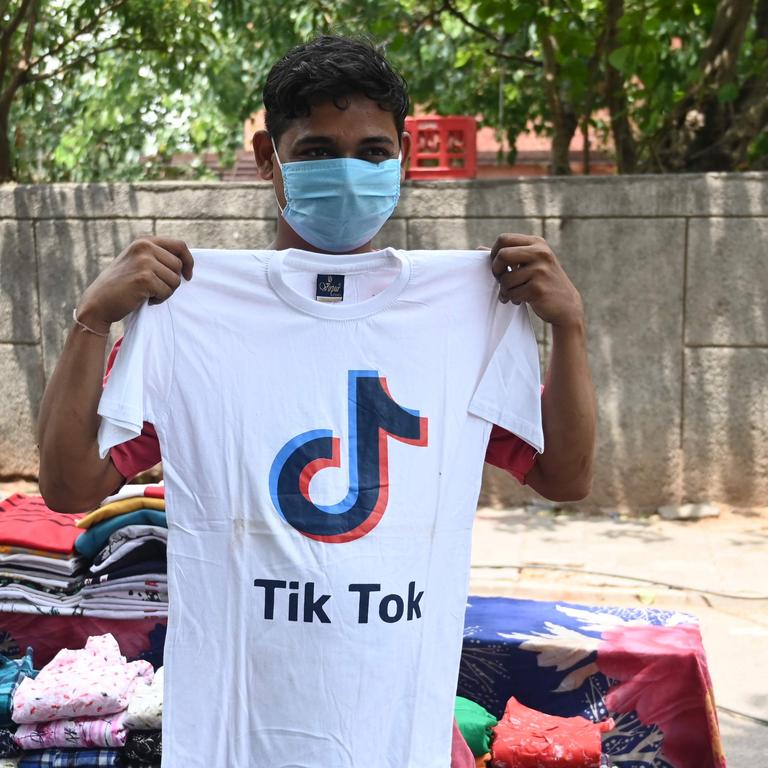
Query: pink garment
<point x="109" y="731"/>
<point x="461" y="754"/>
<point x="91" y="682"/>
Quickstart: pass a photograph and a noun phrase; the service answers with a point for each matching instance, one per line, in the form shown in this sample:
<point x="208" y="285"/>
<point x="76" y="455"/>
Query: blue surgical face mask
<point x="339" y="204"/>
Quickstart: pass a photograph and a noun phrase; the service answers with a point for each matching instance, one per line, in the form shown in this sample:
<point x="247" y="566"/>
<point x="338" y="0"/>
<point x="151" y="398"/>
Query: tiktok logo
<point x="373" y="416"/>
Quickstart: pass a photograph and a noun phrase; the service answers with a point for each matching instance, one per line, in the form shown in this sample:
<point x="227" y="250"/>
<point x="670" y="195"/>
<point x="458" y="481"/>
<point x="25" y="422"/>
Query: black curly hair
<point x="330" y="68"/>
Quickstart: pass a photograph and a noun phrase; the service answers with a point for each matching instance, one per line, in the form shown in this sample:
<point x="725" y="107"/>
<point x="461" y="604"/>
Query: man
<point x="334" y="108"/>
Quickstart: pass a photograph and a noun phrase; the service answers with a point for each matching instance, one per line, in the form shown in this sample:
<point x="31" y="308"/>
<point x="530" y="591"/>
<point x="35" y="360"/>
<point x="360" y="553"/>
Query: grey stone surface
<point x="465" y="233"/>
<point x="227" y="200"/>
<point x="621" y="239"/>
<point x="219" y="233"/>
<point x="21" y="387"/>
<point x="727" y="294"/>
<point x="19" y="307"/>
<point x="634" y="326"/>
<point x="725" y="437"/>
<point x="70" y="255"/>
<point x="688" y="511"/>
<point x="394" y="233"/>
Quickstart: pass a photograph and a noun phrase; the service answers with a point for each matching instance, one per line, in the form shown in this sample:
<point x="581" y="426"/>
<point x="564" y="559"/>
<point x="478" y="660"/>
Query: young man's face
<point x="363" y="130"/>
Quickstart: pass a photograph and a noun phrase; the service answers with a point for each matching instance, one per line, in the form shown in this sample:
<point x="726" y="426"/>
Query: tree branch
<point x="456" y="13"/>
<point x="518" y="57"/>
<point x="89" y="27"/>
<point x="13" y="24"/>
<point x="37" y="78"/>
<point x="5" y="48"/>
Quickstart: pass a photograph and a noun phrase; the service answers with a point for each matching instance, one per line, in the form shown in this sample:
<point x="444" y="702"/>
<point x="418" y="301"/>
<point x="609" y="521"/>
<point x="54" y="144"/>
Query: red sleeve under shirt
<point x="505" y="450"/>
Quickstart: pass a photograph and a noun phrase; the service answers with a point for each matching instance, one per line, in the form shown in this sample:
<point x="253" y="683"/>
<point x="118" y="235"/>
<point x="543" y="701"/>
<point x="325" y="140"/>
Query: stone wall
<point x="673" y="271"/>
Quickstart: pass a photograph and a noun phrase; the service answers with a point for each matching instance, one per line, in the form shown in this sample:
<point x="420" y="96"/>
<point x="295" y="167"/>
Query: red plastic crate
<point x="442" y="147"/>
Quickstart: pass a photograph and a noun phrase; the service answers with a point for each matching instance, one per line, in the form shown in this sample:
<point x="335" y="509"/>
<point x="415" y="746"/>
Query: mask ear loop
<point x="280" y="166"/>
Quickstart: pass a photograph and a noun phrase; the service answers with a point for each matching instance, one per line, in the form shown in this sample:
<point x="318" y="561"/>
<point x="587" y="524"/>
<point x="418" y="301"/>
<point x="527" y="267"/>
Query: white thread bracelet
<point x="85" y="327"/>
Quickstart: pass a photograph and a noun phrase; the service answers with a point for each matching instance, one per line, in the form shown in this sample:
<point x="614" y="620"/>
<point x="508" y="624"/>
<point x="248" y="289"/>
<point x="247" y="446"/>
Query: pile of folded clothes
<point x="108" y="563"/>
<point x="88" y="707"/>
<point x="40" y="571"/>
<point x="125" y="540"/>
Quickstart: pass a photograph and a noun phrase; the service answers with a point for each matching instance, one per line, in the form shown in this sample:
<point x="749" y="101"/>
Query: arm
<point x="72" y="476"/>
<point x="528" y="271"/>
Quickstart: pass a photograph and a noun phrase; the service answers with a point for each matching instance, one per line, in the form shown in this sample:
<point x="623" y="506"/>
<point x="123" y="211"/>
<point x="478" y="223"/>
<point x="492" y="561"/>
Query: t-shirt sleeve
<point x="137" y="388"/>
<point x="509" y="391"/>
<point x="508" y="452"/>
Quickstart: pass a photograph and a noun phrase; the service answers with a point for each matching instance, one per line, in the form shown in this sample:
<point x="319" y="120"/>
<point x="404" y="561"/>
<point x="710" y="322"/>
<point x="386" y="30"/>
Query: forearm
<point x="564" y="471"/>
<point x="72" y="476"/>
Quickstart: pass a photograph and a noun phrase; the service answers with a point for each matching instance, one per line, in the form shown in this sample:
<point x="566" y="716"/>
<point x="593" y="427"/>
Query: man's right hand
<point x="149" y="268"/>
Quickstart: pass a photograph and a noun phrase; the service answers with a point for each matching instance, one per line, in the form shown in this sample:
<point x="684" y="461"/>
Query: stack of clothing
<point x="144" y="745"/>
<point x="12" y="672"/>
<point x="76" y="711"/>
<point x="126" y="540"/>
<point x="40" y="571"/>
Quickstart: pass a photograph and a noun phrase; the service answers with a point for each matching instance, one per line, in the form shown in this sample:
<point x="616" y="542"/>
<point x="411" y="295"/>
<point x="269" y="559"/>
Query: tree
<point x="51" y="49"/>
<point x="111" y="89"/>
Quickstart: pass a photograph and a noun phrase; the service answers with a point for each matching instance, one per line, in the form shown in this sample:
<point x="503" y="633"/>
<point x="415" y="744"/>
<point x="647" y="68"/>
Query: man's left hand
<point x="528" y="271"/>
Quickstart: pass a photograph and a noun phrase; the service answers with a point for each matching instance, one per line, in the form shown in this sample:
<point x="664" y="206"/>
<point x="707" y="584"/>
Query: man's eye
<point x="376" y="154"/>
<point x="315" y="152"/>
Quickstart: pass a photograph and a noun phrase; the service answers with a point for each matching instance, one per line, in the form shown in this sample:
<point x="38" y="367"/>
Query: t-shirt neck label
<point x="330" y="288"/>
<point x="324" y="266"/>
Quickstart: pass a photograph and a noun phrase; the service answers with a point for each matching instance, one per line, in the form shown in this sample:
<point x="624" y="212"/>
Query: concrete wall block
<point x="634" y="324"/>
<point x="70" y="255"/>
<point x="725" y="433"/>
<point x="230" y="200"/>
<point x="727" y="296"/>
<point x="219" y="233"/>
<point x="394" y="233"/>
<point x="21" y="387"/>
<point x="19" y="308"/>
<point x="465" y="234"/>
<point x="69" y="201"/>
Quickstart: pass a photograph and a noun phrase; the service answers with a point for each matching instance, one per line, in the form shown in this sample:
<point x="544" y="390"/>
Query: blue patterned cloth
<point x="71" y="758"/>
<point x="12" y="671"/>
<point x="561" y="658"/>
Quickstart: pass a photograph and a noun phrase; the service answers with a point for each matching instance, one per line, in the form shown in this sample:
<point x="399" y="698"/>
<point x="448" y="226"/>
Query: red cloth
<point x="505" y="450"/>
<point x="526" y="738"/>
<point x="25" y="521"/>
<point x="49" y="634"/>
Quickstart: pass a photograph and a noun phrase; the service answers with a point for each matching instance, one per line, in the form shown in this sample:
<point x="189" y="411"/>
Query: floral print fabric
<point x="145" y="709"/>
<point x="92" y="682"/>
<point x="106" y="731"/>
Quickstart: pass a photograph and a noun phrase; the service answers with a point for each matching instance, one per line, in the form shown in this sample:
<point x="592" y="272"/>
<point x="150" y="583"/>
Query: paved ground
<point x="718" y="566"/>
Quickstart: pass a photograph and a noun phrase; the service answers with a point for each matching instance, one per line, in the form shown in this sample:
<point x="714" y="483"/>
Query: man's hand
<point x="528" y="271"/>
<point x="149" y="268"/>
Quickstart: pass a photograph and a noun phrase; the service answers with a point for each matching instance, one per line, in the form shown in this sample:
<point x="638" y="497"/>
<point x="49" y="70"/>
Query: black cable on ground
<point x="736" y="713"/>
<point x="655" y="582"/>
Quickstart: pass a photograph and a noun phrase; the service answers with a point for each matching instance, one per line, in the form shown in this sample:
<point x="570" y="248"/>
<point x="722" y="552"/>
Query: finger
<point x="512" y="239"/>
<point x="170" y="277"/>
<point x="510" y="280"/>
<point x="179" y="249"/>
<point x="508" y="259"/>
<point x="519" y="293"/>
<point x="159" y="291"/>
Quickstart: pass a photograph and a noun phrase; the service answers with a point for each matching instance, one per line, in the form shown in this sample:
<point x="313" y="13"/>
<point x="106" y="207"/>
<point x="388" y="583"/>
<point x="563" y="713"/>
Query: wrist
<point x="87" y="319"/>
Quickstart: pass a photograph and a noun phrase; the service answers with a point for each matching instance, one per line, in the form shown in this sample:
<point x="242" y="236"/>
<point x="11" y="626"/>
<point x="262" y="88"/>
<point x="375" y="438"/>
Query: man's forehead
<point x="349" y="117"/>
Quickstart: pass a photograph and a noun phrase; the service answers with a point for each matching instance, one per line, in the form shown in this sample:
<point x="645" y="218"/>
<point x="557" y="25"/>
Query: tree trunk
<point x="616" y="96"/>
<point x="695" y="137"/>
<point x="6" y="158"/>
<point x="564" y="119"/>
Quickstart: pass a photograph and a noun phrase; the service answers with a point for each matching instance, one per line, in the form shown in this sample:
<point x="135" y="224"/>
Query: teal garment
<point x="475" y="723"/>
<point x="12" y="671"/>
<point x="94" y="539"/>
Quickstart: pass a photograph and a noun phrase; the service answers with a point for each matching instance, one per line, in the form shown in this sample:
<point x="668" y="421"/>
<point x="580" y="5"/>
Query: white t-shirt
<point x="322" y="465"/>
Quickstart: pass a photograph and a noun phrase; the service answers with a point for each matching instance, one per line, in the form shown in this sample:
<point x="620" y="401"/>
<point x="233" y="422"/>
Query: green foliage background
<point x="152" y="78"/>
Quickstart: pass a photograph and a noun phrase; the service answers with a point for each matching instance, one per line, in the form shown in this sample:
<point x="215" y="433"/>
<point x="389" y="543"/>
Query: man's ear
<point x="405" y="150"/>
<point x="263" y="153"/>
